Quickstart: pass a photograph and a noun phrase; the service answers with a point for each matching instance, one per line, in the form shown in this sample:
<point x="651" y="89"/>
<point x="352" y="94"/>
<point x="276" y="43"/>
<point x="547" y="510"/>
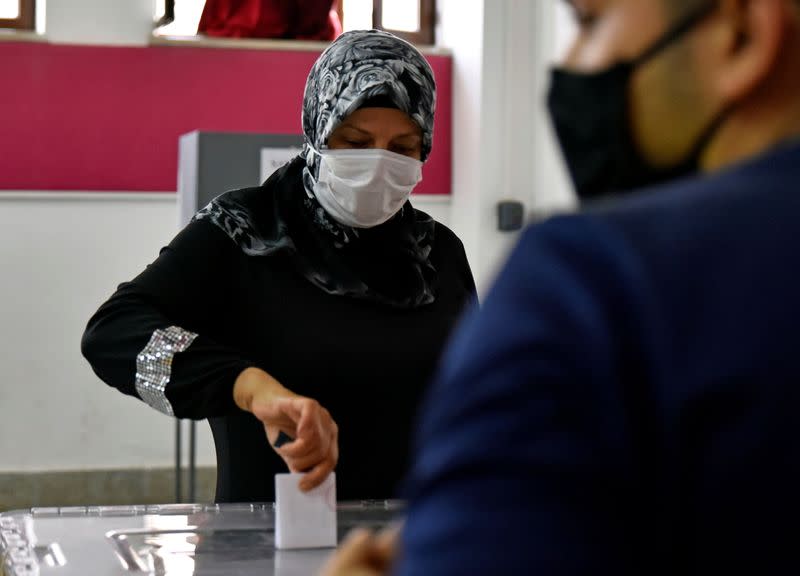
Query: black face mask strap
<point x="692" y="160"/>
<point x="692" y="19"/>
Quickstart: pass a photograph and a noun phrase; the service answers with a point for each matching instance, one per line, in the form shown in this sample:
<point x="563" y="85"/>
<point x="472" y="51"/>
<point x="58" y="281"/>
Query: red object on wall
<point x="100" y="118"/>
<point x="302" y="19"/>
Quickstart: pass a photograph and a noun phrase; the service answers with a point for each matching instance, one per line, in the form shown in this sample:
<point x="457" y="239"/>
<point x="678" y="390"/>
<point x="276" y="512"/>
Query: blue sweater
<point x="628" y="399"/>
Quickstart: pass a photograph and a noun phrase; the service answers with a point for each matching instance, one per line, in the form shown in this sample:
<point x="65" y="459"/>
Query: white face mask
<point x="365" y="188"/>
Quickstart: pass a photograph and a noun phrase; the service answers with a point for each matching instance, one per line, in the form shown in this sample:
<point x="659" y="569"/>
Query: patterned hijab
<point x="359" y="67"/>
<point x="362" y="65"/>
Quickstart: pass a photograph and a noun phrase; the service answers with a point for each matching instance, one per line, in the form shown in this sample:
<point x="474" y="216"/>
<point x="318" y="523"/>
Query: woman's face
<point x="385" y="128"/>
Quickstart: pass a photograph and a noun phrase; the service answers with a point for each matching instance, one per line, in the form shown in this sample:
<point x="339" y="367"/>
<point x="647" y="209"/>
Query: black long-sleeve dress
<point x="215" y="302"/>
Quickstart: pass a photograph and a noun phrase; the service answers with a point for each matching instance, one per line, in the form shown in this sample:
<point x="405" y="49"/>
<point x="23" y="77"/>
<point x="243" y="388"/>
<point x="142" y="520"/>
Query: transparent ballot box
<point x="174" y="540"/>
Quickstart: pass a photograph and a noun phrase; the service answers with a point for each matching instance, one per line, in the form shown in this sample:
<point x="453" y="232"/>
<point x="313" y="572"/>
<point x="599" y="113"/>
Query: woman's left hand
<point x="364" y="553"/>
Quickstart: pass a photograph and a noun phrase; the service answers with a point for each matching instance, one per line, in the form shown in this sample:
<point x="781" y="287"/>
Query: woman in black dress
<point x="315" y="305"/>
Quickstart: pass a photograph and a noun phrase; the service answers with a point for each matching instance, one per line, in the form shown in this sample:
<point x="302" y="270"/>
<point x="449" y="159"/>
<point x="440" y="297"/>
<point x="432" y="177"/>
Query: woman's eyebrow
<point x="414" y="134"/>
<point x="356" y="128"/>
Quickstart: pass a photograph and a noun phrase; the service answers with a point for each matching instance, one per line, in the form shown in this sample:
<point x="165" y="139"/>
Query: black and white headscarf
<point x="360" y="66"/>
<point x="357" y="67"/>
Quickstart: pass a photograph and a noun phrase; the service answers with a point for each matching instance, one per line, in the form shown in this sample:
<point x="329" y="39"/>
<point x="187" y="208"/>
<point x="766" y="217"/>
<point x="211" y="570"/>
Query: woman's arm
<point x="149" y="340"/>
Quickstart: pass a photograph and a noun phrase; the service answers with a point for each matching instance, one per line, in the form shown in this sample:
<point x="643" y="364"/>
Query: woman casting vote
<point x="315" y="305"/>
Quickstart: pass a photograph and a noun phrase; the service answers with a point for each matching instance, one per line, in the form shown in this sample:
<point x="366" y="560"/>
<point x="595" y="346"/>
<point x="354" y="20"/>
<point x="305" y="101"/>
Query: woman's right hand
<point x="314" y="448"/>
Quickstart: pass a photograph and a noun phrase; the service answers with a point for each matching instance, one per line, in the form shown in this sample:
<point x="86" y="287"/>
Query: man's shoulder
<point x="767" y="183"/>
<point x="658" y="231"/>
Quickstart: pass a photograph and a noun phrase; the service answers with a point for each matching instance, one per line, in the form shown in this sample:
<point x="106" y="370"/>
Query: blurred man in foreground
<point x="627" y="400"/>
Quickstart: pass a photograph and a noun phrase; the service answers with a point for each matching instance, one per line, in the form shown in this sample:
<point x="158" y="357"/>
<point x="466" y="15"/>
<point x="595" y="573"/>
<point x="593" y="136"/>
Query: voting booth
<point x="211" y="163"/>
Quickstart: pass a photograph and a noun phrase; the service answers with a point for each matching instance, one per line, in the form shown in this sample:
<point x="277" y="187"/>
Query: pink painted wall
<point x="108" y="118"/>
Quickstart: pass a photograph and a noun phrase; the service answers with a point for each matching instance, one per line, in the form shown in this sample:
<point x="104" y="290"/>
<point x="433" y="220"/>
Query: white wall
<point x="461" y="30"/>
<point x="61" y="258"/>
<point x="503" y="146"/>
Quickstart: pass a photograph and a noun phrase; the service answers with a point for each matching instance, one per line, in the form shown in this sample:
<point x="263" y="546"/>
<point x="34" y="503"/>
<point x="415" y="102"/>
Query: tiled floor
<point x="98" y="487"/>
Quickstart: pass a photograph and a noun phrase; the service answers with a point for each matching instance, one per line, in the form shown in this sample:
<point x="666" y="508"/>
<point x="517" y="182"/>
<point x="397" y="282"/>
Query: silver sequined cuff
<point x="154" y="365"/>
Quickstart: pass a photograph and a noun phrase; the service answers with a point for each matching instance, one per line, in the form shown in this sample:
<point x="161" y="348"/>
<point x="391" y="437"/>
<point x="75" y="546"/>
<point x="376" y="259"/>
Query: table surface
<point x="175" y="540"/>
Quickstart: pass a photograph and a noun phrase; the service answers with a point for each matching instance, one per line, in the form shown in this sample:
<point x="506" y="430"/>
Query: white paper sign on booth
<point x="274" y="158"/>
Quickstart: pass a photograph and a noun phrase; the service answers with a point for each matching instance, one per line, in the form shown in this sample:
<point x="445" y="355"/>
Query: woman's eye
<point x="355" y="143"/>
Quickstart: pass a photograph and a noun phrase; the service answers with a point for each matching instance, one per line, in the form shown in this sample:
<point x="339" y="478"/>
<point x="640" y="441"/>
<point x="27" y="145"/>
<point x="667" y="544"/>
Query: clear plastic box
<point x="174" y="540"/>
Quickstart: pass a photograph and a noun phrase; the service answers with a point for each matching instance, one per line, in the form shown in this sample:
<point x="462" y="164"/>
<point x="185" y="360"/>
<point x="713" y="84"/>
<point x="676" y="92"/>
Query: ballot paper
<point x="304" y="519"/>
<point x="301" y="562"/>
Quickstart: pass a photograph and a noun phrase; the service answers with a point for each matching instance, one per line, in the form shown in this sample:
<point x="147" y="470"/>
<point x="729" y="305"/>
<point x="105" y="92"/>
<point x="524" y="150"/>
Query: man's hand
<point x="364" y="553"/>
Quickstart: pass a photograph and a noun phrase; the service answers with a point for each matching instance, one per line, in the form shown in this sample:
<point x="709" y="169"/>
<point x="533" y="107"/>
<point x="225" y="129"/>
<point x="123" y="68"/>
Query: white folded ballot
<point x="304" y="520"/>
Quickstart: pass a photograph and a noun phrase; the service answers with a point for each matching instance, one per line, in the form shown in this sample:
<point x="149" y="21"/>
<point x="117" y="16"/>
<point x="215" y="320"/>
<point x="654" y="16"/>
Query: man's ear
<point x="747" y="37"/>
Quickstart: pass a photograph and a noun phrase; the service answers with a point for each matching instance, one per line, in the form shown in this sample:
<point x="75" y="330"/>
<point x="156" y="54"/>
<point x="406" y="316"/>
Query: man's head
<point x="732" y="74"/>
